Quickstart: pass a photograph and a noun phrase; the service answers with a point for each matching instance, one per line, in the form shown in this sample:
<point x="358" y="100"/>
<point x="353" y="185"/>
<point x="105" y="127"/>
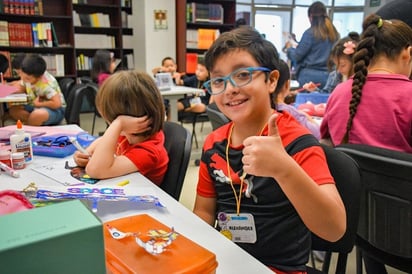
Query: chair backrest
<point x="385" y="223"/>
<point x="216" y="117"/>
<point x="65" y="86"/>
<point x="347" y="177"/>
<point x="77" y="95"/>
<point x="178" y="143"/>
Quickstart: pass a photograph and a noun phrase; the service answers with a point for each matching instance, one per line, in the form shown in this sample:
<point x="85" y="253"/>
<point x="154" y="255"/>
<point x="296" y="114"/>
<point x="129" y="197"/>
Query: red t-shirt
<point x="150" y="156"/>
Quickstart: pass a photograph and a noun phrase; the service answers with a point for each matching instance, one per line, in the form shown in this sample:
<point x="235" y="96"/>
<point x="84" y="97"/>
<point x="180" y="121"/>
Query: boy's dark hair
<point x="379" y="38"/>
<point x="34" y="65"/>
<point x="284" y="75"/>
<point x="240" y="22"/>
<point x="166" y="59"/>
<point x="248" y="39"/>
<point x="102" y="60"/>
<point x="17" y="60"/>
<point x="245" y="38"/>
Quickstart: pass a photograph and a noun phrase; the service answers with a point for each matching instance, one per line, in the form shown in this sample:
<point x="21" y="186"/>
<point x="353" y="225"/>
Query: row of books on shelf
<point x="54" y="62"/>
<point x="84" y="62"/>
<point x="23" y="7"/>
<point x="201" y="38"/>
<point x="95" y="20"/>
<point x="89" y="41"/>
<point x="204" y="13"/>
<point x="27" y="34"/>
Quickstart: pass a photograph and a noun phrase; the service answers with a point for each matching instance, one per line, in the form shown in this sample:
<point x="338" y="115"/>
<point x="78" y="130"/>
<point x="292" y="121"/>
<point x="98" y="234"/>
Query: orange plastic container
<point x="181" y="256"/>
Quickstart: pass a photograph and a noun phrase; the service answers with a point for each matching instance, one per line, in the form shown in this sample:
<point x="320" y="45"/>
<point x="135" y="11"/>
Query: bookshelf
<point x="62" y="43"/>
<point x="196" y="19"/>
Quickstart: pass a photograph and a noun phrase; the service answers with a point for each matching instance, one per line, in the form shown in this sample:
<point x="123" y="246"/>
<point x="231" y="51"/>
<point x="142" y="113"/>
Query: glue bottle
<point x="20" y="141"/>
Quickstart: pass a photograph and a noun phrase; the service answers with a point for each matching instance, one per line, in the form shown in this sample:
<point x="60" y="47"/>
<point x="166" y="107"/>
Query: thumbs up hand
<point x="265" y="156"/>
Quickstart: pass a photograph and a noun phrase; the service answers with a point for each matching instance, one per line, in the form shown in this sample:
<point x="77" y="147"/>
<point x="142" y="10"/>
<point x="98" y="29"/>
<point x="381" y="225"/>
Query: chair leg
<point x="194" y="133"/>
<point x="358" y="261"/>
<point x="94" y="122"/>
<point x="312" y="258"/>
<point x="326" y="262"/>
<point x="341" y="264"/>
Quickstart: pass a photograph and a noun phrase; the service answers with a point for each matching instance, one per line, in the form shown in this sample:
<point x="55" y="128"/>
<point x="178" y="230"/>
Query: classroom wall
<point x="150" y="45"/>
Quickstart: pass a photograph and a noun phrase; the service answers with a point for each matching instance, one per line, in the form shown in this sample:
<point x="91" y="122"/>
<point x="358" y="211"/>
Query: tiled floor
<point x="189" y="189"/>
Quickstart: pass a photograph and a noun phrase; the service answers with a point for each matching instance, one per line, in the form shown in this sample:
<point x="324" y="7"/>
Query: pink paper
<point x="6" y="90"/>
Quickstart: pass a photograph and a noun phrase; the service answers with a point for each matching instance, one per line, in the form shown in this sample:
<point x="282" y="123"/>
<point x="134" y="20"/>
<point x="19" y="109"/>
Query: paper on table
<point x="6" y="90"/>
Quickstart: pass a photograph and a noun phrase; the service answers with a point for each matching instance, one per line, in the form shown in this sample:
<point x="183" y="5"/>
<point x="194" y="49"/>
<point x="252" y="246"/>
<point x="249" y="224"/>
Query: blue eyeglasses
<point x="238" y="78"/>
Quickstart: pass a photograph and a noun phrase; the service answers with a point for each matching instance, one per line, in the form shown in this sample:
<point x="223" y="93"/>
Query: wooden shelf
<point x="229" y="18"/>
<point x="60" y="13"/>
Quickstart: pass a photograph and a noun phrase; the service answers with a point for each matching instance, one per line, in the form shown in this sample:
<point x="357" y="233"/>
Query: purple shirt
<point x="301" y="118"/>
<point x="383" y="118"/>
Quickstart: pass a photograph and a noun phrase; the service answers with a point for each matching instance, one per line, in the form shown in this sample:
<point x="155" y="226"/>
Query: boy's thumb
<point x="272" y="126"/>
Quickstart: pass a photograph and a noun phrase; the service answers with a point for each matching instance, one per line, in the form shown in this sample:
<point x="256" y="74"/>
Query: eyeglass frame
<point x="207" y="85"/>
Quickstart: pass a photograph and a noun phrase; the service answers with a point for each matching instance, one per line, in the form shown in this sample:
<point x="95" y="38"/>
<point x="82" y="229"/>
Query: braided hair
<point x="379" y="38"/>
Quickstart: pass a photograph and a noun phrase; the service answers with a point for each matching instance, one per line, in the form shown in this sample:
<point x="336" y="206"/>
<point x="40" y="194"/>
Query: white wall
<point x="150" y="45"/>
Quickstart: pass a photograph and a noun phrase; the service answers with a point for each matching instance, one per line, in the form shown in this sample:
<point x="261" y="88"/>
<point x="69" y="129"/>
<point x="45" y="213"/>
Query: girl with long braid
<point x="374" y="106"/>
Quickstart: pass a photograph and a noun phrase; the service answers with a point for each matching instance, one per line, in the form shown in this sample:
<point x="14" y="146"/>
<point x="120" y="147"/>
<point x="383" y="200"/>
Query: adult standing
<point x="312" y="53"/>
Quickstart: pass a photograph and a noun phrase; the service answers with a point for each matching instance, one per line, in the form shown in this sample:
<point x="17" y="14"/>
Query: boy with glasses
<point x="263" y="177"/>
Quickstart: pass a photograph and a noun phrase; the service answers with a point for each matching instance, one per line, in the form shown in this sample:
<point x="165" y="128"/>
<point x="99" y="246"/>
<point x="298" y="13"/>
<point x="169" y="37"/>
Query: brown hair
<point x="321" y="24"/>
<point x="379" y="38"/>
<point x="131" y="93"/>
<point x="339" y="49"/>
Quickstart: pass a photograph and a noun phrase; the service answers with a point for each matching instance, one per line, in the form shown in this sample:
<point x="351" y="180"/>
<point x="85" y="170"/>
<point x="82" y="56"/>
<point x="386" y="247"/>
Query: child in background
<point x="195" y="103"/>
<point x="169" y="65"/>
<point x="251" y="173"/>
<point x="16" y="66"/>
<point x="46" y="103"/>
<point x="374" y="107"/>
<point x="103" y="66"/>
<point x="282" y="90"/>
<point x="131" y="104"/>
<point x="341" y="55"/>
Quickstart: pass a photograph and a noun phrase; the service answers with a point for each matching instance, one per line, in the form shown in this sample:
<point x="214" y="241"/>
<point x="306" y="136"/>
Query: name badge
<point x="238" y="228"/>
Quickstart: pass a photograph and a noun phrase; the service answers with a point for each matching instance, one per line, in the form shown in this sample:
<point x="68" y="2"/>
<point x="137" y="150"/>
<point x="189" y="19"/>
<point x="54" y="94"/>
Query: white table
<point x="230" y="257"/>
<point x="175" y="93"/>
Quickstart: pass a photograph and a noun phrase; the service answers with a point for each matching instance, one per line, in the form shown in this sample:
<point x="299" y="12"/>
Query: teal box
<point x="61" y="238"/>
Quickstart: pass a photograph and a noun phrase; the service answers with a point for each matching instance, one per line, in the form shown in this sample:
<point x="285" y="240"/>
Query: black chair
<point x="347" y="177"/>
<point x="216" y="117"/>
<point x="75" y="99"/>
<point x="95" y="88"/>
<point x="193" y="118"/>
<point x="178" y="143"/>
<point x="66" y="85"/>
<point x="385" y="223"/>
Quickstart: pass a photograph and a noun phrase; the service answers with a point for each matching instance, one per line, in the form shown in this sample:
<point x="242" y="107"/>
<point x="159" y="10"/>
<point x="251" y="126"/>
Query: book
<point x="191" y="62"/>
<point x="35" y="35"/>
<point x="54" y="35"/>
<point x="4" y="33"/>
<point x="206" y="37"/>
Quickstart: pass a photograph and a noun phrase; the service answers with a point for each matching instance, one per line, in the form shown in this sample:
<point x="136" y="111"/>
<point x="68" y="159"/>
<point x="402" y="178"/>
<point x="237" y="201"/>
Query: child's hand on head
<point x="134" y="125"/>
<point x="264" y="155"/>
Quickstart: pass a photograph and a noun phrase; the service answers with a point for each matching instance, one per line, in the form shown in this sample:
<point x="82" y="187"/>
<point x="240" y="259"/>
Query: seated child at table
<point x="46" y="104"/>
<point x="195" y="103"/>
<point x="282" y="90"/>
<point x="131" y="104"/>
<point x="263" y="170"/>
